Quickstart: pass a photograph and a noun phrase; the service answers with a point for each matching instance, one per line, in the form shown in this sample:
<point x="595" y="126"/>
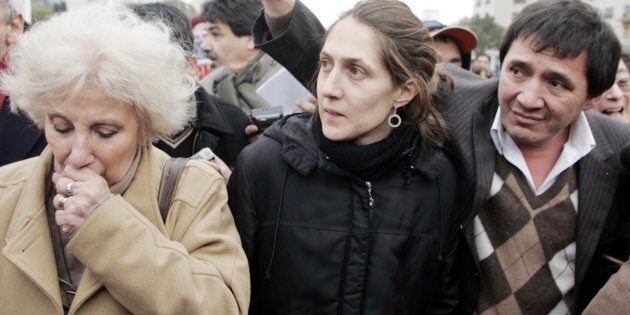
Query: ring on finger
<point x="61" y="201"/>
<point x="69" y="188"/>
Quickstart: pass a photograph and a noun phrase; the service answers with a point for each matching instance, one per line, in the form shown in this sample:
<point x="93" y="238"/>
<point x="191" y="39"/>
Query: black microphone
<point x="625" y="157"/>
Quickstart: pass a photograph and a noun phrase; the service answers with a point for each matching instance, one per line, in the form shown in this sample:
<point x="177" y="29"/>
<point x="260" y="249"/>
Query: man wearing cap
<point x="453" y="44"/>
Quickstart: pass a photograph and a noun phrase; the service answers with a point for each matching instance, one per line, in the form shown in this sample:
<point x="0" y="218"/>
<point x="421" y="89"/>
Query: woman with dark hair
<point x="351" y="210"/>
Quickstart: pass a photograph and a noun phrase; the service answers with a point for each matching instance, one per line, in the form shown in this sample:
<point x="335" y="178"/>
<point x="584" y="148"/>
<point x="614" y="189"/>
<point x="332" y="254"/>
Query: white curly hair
<point x="109" y="49"/>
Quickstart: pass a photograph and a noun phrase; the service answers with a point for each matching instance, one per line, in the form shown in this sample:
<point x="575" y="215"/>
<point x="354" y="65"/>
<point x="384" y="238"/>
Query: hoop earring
<point x="394" y="119"/>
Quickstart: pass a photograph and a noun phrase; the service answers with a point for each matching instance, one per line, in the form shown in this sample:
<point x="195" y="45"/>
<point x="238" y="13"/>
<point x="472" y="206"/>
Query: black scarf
<point x="372" y="161"/>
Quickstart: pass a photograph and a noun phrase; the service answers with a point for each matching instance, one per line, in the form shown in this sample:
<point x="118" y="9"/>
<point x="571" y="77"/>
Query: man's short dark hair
<point x="175" y="19"/>
<point x="239" y="15"/>
<point x="568" y="28"/>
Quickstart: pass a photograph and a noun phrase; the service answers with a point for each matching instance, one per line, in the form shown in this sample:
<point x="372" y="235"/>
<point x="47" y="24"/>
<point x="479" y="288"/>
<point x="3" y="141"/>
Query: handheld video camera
<point x="265" y="117"/>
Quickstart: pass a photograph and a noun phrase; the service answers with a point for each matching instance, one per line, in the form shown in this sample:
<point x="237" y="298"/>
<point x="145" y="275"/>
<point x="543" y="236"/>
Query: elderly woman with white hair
<point x="80" y="227"/>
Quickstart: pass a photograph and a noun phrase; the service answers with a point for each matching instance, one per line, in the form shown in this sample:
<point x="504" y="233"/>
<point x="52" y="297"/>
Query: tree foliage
<point x="39" y="10"/>
<point x="488" y="32"/>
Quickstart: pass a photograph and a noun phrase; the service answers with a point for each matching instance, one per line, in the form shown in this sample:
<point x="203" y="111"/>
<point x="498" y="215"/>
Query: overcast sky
<point x="448" y="11"/>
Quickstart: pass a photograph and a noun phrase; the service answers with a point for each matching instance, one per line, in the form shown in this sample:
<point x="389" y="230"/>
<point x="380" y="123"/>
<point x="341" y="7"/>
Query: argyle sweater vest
<point x="526" y="244"/>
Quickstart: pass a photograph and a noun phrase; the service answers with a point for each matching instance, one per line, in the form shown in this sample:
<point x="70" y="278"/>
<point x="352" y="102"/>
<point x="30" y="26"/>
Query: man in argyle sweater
<point x="548" y="195"/>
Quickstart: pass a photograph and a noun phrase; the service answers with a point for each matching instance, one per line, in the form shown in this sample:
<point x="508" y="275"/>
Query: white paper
<point x="282" y="89"/>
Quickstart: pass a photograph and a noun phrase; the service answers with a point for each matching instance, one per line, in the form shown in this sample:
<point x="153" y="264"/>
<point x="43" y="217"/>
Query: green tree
<point x="39" y="10"/>
<point x="488" y="32"/>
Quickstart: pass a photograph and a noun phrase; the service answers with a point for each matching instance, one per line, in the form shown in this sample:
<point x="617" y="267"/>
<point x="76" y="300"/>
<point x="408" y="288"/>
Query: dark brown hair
<point x="408" y="54"/>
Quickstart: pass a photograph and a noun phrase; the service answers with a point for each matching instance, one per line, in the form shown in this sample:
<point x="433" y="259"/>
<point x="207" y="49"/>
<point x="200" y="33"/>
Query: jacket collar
<point x="29" y="246"/>
<point x="299" y="148"/>
<point x="301" y="152"/>
<point x="209" y="114"/>
<point x="143" y="191"/>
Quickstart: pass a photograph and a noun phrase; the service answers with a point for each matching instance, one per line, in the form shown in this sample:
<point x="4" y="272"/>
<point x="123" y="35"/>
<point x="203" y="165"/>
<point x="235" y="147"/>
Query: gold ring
<point x="69" y="189"/>
<point x="61" y="201"/>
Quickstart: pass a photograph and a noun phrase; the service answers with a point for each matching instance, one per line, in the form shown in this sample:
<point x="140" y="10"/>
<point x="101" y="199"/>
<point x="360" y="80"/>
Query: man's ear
<point x="591" y="102"/>
<point x="249" y="42"/>
<point x="405" y="93"/>
<point x="16" y="27"/>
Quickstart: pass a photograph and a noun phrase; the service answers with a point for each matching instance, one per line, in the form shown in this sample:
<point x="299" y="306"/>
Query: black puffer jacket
<point x="321" y="241"/>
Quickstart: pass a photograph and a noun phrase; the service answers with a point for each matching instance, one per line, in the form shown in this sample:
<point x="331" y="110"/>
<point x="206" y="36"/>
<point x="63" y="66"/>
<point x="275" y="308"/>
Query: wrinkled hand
<point x="221" y="167"/>
<point x="87" y="192"/>
<point x="252" y="133"/>
<point x="307" y="106"/>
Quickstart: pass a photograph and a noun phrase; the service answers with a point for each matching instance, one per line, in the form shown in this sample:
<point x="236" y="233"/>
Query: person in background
<point x="203" y="64"/>
<point x="19" y="138"/>
<point x="454" y="44"/>
<point x="218" y="125"/>
<point x="615" y="101"/>
<point x="545" y="186"/>
<point x="481" y="66"/>
<point x="198" y="24"/>
<point x="80" y="227"/>
<point x="528" y="150"/>
<point x="243" y="67"/>
<point x="351" y="210"/>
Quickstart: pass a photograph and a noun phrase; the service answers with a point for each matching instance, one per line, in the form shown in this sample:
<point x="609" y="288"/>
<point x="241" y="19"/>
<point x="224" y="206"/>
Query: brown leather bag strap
<point x="170" y="176"/>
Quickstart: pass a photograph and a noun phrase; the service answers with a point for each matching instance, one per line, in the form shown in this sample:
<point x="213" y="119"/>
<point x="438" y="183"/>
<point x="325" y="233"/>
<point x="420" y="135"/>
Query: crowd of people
<point x="415" y="181"/>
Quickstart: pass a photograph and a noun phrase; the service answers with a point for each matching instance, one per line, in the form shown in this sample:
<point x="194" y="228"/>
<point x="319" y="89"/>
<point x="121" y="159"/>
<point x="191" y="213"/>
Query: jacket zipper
<point x="370" y="217"/>
<point x="370" y="198"/>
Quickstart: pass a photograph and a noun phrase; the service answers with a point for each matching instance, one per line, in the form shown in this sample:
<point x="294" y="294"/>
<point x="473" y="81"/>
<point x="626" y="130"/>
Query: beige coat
<point x="131" y="266"/>
<point x="614" y="296"/>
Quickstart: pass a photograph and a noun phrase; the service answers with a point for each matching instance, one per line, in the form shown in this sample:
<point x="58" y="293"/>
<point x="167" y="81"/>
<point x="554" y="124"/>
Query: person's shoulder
<point x="162" y="157"/>
<point x="469" y="93"/>
<point x="292" y="128"/>
<point x="269" y="67"/>
<point x="433" y="162"/>
<point x="261" y="149"/>
<point x="261" y="159"/>
<point x="290" y="133"/>
<point x="609" y="134"/>
<point x="602" y="124"/>
<point x="200" y="173"/>
<point x="467" y="80"/>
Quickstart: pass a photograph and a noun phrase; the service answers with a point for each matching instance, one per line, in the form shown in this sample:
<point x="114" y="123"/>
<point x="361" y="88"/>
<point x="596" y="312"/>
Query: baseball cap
<point x="465" y="38"/>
